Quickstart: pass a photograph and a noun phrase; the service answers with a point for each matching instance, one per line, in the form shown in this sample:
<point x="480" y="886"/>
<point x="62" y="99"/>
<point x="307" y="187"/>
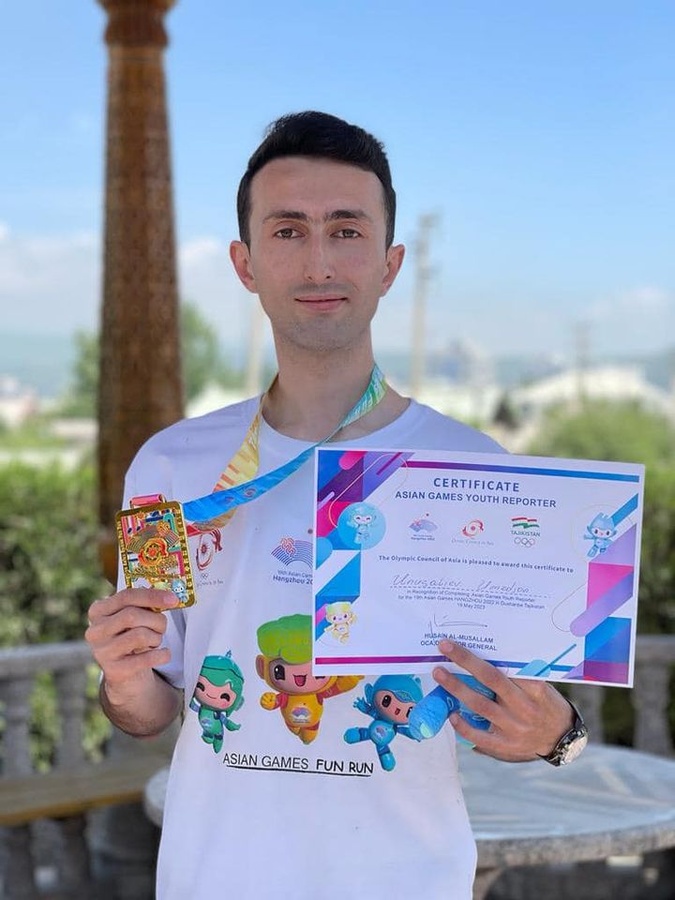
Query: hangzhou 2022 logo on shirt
<point x="295" y="556"/>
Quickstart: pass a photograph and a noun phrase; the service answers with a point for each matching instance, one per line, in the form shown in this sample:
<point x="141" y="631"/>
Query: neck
<point x="311" y="396"/>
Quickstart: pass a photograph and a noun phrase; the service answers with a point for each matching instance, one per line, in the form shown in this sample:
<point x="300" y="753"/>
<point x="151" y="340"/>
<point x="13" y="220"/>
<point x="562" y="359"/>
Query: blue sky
<point x="541" y="133"/>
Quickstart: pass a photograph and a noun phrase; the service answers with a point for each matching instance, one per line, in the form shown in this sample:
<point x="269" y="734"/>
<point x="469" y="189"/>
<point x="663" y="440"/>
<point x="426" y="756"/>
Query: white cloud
<point x="208" y="279"/>
<point x="648" y="300"/>
<point x="633" y="321"/>
<point x="195" y="252"/>
<point x="48" y="283"/>
<point x="52" y="284"/>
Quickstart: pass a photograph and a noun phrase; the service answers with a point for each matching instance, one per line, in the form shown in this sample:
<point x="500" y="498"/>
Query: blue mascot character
<point x="389" y="701"/>
<point x="601" y="531"/>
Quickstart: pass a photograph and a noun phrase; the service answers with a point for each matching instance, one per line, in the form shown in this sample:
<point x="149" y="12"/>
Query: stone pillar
<point x="140" y="384"/>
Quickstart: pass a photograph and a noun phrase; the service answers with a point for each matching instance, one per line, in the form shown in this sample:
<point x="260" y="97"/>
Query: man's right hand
<point x="125" y="635"/>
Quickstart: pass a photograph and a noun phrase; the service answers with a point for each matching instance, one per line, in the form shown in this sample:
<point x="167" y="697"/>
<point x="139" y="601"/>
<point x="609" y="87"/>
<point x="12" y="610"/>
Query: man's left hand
<point x="528" y="716"/>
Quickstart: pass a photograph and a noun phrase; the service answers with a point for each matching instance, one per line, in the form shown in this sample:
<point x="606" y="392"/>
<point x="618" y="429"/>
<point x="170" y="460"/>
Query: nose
<point x="318" y="261"/>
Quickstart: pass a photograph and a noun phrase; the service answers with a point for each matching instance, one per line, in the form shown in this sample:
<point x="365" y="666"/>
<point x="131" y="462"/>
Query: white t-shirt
<point x="266" y="798"/>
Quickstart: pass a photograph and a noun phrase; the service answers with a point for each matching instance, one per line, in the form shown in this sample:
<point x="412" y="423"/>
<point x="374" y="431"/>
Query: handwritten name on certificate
<point x="530" y="562"/>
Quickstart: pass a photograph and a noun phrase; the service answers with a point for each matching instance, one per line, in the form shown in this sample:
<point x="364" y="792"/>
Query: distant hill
<point x="42" y="362"/>
<point x="45" y="362"/>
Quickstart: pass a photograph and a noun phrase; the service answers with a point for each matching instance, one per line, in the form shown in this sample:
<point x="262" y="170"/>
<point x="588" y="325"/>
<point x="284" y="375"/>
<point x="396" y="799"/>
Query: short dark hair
<point x="324" y="136"/>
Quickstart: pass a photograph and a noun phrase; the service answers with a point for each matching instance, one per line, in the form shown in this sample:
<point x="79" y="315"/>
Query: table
<point x="610" y="802"/>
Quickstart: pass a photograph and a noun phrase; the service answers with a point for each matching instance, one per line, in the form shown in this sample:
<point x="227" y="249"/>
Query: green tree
<point x="81" y="397"/>
<point x="203" y="362"/>
<point x="49" y="574"/>
<point x="201" y="354"/>
<point x="626" y="432"/>
<point x="49" y="569"/>
<point x="615" y="431"/>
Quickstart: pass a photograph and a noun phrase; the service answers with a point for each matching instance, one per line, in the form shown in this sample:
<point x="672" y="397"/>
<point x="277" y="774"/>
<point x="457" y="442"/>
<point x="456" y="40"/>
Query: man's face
<point x="317" y="255"/>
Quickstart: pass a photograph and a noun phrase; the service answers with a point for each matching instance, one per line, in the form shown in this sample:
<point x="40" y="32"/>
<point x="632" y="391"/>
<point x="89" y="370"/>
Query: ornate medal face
<point x="154" y="549"/>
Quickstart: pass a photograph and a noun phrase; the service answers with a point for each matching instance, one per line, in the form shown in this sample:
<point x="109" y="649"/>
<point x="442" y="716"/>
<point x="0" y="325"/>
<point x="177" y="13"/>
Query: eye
<point x="348" y="233"/>
<point x="279" y="672"/>
<point x="200" y="686"/>
<point x="407" y="713"/>
<point x="386" y="700"/>
<point x="286" y="233"/>
<point x="225" y="696"/>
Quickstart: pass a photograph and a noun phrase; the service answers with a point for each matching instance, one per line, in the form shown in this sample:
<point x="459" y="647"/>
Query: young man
<point x="280" y="785"/>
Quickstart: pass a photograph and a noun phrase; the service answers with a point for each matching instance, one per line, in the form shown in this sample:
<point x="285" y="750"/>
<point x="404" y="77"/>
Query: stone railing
<point x="72" y="855"/>
<point x="68" y="663"/>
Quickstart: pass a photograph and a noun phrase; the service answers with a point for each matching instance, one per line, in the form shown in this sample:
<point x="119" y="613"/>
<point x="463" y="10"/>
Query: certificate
<point x="530" y="562"/>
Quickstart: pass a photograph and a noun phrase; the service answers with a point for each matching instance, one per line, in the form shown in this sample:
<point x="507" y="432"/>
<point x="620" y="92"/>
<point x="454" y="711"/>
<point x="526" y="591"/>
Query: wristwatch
<point x="571" y="743"/>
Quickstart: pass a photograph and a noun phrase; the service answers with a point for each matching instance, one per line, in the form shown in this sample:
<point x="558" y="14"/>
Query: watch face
<point x="569" y="753"/>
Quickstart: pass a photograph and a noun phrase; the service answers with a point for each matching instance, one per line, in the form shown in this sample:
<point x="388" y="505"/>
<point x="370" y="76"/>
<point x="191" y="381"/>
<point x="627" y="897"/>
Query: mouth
<point x="321" y="301"/>
<point x="300" y="680"/>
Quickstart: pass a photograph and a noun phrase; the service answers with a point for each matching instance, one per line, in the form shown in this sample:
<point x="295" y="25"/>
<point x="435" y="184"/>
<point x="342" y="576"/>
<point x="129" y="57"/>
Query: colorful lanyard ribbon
<point x="232" y="490"/>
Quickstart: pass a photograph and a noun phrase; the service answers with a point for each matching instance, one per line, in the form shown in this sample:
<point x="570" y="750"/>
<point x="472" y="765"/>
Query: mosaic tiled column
<point x="140" y="384"/>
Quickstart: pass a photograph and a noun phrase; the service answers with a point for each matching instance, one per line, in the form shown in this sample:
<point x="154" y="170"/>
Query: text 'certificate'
<point x="530" y="562"/>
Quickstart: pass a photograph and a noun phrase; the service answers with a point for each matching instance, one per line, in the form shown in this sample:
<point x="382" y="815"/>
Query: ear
<point x="394" y="261"/>
<point x="260" y="667"/>
<point x="241" y="260"/>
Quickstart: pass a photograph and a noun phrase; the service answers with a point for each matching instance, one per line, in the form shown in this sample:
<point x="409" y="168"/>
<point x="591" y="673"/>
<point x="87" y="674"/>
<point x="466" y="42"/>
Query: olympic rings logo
<point x="524" y="541"/>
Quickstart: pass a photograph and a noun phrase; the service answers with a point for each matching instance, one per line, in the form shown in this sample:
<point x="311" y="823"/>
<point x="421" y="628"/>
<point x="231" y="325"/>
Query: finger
<point x="124" y="669"/>
<point x="481" y="669"/>
<point x="129" y="643"/>
<point x="147" y="598"/>
<point x="454" y="685"/>
<point x="130" y="618"/>
<point x="136" y="640"/>
<point x="533" y="688"/>
<point x="465" y="730"/>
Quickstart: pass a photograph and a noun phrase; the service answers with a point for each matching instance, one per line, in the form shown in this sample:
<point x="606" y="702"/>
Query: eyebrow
<point x="333" y="216"/>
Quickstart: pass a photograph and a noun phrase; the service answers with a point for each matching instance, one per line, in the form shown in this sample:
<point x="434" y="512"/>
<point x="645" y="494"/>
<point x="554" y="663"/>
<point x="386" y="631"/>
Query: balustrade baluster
<point x="15" y="694"/>
<point x="650" y="701"/>
<point x="71" y="693"/>
<point x="16" y="760"/>
<point x="588" y="697"/>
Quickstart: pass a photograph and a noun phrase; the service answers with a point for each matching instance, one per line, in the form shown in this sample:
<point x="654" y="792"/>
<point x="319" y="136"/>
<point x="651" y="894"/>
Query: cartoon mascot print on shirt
<point x="285" y="664"/>
<point x="218" y="693"/>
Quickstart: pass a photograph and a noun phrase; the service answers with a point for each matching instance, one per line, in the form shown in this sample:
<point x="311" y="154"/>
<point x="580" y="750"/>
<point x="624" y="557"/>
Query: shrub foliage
<point x="49" y="574"/>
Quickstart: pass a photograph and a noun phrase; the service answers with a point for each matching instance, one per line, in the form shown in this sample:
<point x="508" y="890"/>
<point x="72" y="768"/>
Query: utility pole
<point x="423" y="272"/>
<point x="254" y="363"/>
<point x="581" y="358"/>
